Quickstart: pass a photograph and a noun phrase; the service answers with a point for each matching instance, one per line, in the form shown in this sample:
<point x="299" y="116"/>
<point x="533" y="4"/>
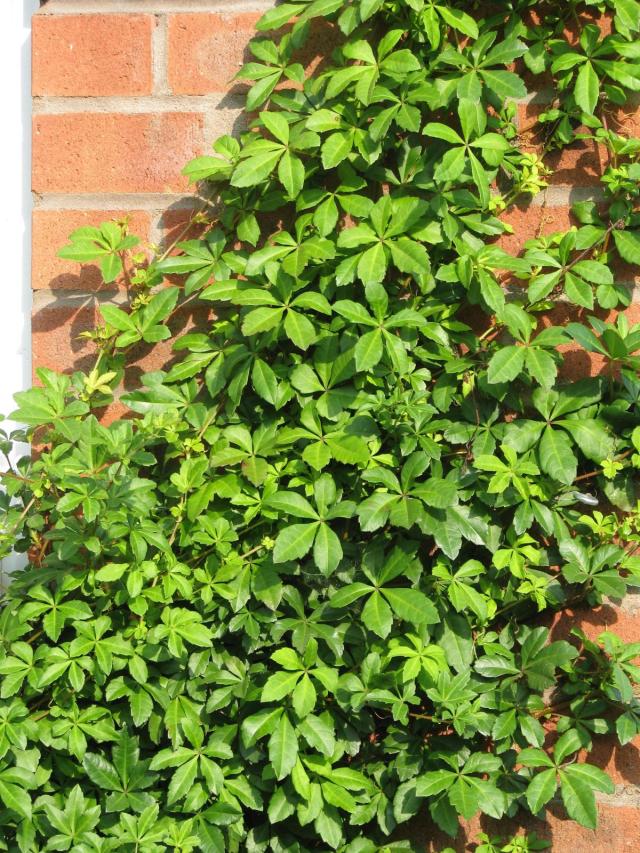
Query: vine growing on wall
<point x="304" y="593"/>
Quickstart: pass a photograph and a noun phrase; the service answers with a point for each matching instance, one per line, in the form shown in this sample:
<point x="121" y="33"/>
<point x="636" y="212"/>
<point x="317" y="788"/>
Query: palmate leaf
<point x="578" y="782"/>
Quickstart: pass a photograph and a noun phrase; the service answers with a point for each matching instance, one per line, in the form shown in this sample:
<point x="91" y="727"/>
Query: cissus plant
<point x="304" y="592"/>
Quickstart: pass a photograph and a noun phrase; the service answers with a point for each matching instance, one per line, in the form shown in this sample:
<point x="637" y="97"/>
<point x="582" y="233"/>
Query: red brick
<point x="580" y="164"/>
<point x="102" y="152"/>
<point x="54" y="335"/>
<point x="178" y="225"/>
<point x="92" y="54"/>
<point x="618" y="831"/>
<point x="626" y="120"/>
<point x="529" y="221"/>
<point x="51" y="229"/>
<point x="56" y="345"/>
<point x="115" y="411"/>
<point x="207" y="50"/>
<point x="576" y="24"/>
<point x="594" y="621"/>
<point x="621" y="763"/>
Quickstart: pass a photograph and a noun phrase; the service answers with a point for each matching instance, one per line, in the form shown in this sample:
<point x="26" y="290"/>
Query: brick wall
<point x="125" y="92"/>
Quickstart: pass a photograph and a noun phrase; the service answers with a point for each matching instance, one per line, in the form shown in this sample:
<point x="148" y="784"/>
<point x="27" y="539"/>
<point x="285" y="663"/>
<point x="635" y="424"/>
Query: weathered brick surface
<point x="206" y="50"/>
<point x="92" y="55"/>
<point x="119" y="153"/>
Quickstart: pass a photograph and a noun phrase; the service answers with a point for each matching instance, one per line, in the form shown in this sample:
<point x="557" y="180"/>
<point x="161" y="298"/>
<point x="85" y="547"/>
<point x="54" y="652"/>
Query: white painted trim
<point x="15" y="204"/>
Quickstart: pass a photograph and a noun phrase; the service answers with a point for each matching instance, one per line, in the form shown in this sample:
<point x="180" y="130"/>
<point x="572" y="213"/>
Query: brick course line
<point x="64" y="7"/>
<point x="558" y="196"/>
<point x="164" y="103"/>
<point x="159" y="47"/>
<point x="115" y="201"/>
<point x="624" y="796"/>
<point x="44" y="299"/>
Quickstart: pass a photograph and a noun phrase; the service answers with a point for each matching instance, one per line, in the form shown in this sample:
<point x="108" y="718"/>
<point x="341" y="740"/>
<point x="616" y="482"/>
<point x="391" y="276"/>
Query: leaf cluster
<point x="304" y="591"/>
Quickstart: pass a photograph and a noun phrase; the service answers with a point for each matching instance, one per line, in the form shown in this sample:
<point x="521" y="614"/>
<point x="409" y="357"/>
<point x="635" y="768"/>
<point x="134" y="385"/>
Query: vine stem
<point x="600" y="470"/>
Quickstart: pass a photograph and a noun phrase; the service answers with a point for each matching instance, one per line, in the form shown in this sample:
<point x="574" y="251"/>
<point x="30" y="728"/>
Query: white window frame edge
<point x="15" y="213"/>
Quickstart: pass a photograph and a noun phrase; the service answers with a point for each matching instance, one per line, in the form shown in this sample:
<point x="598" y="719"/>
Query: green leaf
<point x="437" y="492"/>
<point x="628" y="245"/>
<point x="257" y="168"/>
<point x="327" y="550"/>
<point x="294" y="542"/>
<point x="336" y="147"/>
<point x="578" y="291"/>
<point x="587" y="88"/>
<point x="505" y="84"/>
<point x="372" y="264"/>
<point x="506" y="364"/>
<point x="182" y="781"/>
<point x="578" y="796"/>
<point x="411" y="605"/>
<point x="299" y="329"/>
<point x="291" y="503"/>
<point x="464" y="797"/>
<point x="261" y="320"/>
<point x="459" y="20"/>
<point x="348" y="594"/>
<point x="16" y="799"/>
<point x="101" y="772"/>
<point x="368" y="351"/>
<point x="304" y="696"/>
<point x="409" y="256"/>
<point x="318" y="734"/>
<point x="377" y="615"/>
<point x="110" y="267"/>
<point x="283" y="748"/>
<point x="279" y="685"/>
<point x="541" y="789"/>
<point x="291" y="174"/>
<point x="556" y="456"/>
<point x="434" y="782"/>
<point x="541" y="366"/>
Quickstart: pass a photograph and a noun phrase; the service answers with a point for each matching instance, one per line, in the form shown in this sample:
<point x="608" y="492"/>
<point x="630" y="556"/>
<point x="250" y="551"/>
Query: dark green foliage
<point x="303" y="596"/>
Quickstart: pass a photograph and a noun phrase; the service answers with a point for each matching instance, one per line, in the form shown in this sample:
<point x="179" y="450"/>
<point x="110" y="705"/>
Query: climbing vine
<point x="304" y="591"/>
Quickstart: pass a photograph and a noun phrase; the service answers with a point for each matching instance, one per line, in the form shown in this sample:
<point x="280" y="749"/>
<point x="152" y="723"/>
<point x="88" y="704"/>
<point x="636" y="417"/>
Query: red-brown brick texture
<point x="125" y="92"/>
